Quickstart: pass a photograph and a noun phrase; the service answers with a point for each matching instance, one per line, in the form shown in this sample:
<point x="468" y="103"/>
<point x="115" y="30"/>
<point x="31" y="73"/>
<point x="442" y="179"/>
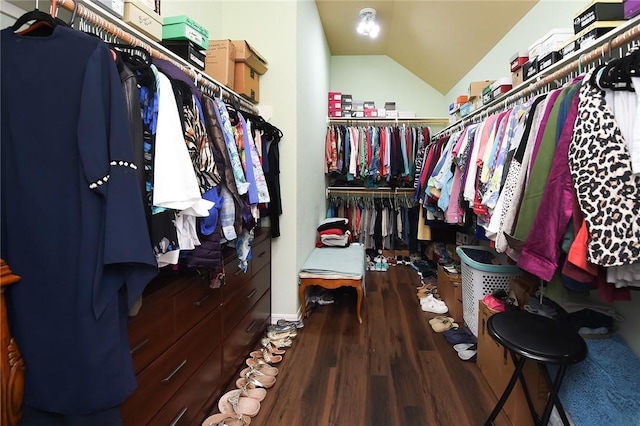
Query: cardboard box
<point x="462" y="99"/>
<point x="631" y="8"/>
<point x="465" y="109"/>
<point x="220" y="62"/>
<point x="346" y="99"/>
<point x="369" y="105"/>
<point x="334" y="105"/>
<point x="357" y="114"/>
<point x="548" y="60"/>
<point x="596" y="11"/>
<point x="371" y="112"/>
<point x="347" y="106"/>
<point x="357" y="106"/>
<point x="181" y="27"/>
<point x="188" y="50"/>
<point x="406" y="114"/>
<point x="138" y="15"/>
<point x="337" y="114"/>
<point x="476" y="88"/>
<point x="390" y="106"/>
<point x="246" y="82"/>
<point x="487" y="95"/>
<point x="115" y="7"/>
<point x="247" y="54"/>
<point x="534" y="49"/>
<point x="391" y="113"/>
<point x="382" y="112"/>
<point x="594" y="31"/>
<point x="517" y="77"/>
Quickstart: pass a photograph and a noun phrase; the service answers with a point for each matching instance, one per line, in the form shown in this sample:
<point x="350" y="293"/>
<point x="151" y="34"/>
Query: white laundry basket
<point x="479" y="279"/>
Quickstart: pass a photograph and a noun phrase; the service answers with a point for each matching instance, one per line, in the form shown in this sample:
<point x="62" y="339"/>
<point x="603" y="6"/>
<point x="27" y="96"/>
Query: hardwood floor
<point x="391" y="370"/>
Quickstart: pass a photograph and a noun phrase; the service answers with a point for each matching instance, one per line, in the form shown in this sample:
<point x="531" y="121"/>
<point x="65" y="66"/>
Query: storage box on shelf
<point x="497" y="367"/>
<point x="500" y="86"/>
<point x="188" y="50"/>
<point x="476" y="88"/>
<point x="530" y="69"/>
<point x="548" y="60"/>
<point x="450" y="290"/>
<point x="553" y="41"/>
<point x="220" y="62"/>
<point x="589" y="35"/>
<point x="247" y="54"/>
<point x="597" y="11"/>
<point x="115" y="7"/>
<point x="246" y="82"/>
<point x="569" y="47"/>
<point x="182" y="27"/>
<point x="631" y="8"/>
<point x="189" y="340"/>
<point x="144" y="18"/>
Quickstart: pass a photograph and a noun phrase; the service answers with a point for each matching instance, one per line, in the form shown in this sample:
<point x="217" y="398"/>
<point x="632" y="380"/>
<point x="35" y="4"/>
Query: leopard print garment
<point x="608" y="192"/>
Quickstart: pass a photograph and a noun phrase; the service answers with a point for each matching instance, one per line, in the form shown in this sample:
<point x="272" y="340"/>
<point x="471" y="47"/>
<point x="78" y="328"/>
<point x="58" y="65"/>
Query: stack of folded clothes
<point x="334" y="232"/>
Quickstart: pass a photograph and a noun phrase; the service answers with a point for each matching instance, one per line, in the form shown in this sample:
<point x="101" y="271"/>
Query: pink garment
<point x="543" y="124"/>
<point x="455" y="213"/>
<point x="541" y="249"/>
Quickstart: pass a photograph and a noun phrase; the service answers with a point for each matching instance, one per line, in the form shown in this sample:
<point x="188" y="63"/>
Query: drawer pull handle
<point x="262" y="254"/>
<point x="139" y="345"/>
<point x="252" y="293"/>
<point x="174" y="372"/>
<point x="201" y="301"/>
<point x="250" y="328"/>
<point x="179" y="416"/>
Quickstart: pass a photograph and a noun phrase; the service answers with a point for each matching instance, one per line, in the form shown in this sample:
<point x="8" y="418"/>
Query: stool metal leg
<point x="554" y="387"/>
<point x="505" y="395"/>
<point x="527" y="394"/>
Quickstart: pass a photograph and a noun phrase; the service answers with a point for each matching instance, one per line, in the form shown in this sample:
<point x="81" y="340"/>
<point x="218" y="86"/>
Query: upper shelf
<point x="432" y="121"/>
<point x="99" y="17"/>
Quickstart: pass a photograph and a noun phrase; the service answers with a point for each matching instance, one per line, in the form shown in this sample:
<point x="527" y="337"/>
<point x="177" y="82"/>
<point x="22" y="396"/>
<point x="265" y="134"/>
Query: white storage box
<point x="479" y="278"/>
<point x="554" y="40"/>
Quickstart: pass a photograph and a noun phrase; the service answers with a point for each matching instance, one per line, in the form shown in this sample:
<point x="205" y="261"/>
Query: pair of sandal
<point x="441" y="323"/>
<point x="466" y="351"/>
<point x="426" y="289"/>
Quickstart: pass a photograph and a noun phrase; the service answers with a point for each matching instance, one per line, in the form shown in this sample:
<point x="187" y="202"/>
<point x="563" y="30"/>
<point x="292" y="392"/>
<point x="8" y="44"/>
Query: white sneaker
<point x="429" y="304"/>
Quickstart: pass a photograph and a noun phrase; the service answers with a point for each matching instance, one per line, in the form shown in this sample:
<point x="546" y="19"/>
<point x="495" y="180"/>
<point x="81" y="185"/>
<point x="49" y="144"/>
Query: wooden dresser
<point x="189" y="341"/>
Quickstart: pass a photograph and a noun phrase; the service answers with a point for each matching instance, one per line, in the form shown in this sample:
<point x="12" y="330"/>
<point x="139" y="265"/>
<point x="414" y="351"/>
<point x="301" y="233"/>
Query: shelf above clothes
<point x="602" y="49"/>
<point x="120" y="30"/>
<point x="429" y="121"/>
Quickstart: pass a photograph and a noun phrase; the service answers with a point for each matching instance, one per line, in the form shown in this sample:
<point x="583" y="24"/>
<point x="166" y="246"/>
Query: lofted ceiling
<point x="439" y="41"/>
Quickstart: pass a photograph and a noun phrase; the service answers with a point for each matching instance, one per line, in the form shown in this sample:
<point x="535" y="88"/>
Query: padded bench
<point x="334" y="267"/>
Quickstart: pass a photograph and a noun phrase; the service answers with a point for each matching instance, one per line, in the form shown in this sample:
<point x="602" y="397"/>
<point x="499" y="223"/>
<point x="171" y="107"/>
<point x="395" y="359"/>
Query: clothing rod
<point x="442" y="121"/>
<point x="347" y="190"/>
<point x="124" y="32"/>
<point x="625" y="33"/>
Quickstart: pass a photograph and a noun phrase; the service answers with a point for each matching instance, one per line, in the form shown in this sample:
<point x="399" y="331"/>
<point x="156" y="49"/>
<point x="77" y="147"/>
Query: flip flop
<point x="222" y="419"/>
<point x="233" y="402"/>
<point x="464" y="347"/>
<point x="251" y="382"/>
<point x="261" y="370"/>
<point x="468" y="355"/>
<point x="265" y="355"/>
<point x="258" y="394"/>
<point x="459" y="335"/>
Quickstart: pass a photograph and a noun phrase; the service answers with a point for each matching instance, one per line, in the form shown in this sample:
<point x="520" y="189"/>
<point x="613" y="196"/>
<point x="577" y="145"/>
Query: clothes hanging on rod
<point x="541" y="173"/>
<point x="374" y="155"/>
<point x="126" y="170"/>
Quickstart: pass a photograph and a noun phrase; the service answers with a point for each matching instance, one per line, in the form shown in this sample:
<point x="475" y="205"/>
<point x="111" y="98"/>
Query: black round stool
<point x="544" y="340"/>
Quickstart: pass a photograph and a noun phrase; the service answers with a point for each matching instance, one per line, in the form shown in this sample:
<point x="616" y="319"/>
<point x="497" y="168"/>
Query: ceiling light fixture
<point x="368" y="25"/>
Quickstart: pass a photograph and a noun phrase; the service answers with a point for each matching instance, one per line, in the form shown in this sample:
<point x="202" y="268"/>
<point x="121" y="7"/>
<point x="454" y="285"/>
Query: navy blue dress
<point x="73" y="226"/>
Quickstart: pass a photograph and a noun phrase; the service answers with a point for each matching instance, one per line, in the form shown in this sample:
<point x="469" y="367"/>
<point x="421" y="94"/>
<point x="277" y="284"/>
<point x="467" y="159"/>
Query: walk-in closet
<point x="320" y="213"/>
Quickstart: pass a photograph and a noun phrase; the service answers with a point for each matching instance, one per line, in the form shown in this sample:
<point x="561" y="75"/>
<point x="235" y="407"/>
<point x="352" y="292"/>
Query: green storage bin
<point x="182" y="27"/>
<point x="487" y="95"/>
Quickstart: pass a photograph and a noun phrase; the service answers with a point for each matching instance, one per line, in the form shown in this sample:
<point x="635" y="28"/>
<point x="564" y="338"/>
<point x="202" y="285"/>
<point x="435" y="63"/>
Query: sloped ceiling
<point x="439" y="41"/>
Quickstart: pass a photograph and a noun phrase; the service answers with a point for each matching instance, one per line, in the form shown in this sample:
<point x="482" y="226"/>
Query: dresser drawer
<point x="151" y="332"/>
<point x="261" y="255"/>
<point x="242" y="301"/>
<point x="164" y="376"/>
<point x="234" y="278"/>
<point x="238" y="342"/>
<point x="194" y="303"/>
<point x="186" y="406"/>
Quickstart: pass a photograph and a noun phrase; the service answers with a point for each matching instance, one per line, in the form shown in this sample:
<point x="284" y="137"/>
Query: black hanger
<point x="37" y="16"/>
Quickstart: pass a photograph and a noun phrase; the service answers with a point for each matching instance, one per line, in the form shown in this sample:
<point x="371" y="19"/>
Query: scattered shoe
<point x="431" y="304"/>
<point x="468" y="355"/>
<point x="227" y="420"/>
<point x="441" y="324"/>
<point x="297" y="324"/>
<point x="233" y="402"/>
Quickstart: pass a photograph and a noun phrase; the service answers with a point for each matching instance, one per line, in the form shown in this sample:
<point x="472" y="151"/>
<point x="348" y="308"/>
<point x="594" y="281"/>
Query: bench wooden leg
<point x="303" y="302"/>
<point x="360" y="295"/>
